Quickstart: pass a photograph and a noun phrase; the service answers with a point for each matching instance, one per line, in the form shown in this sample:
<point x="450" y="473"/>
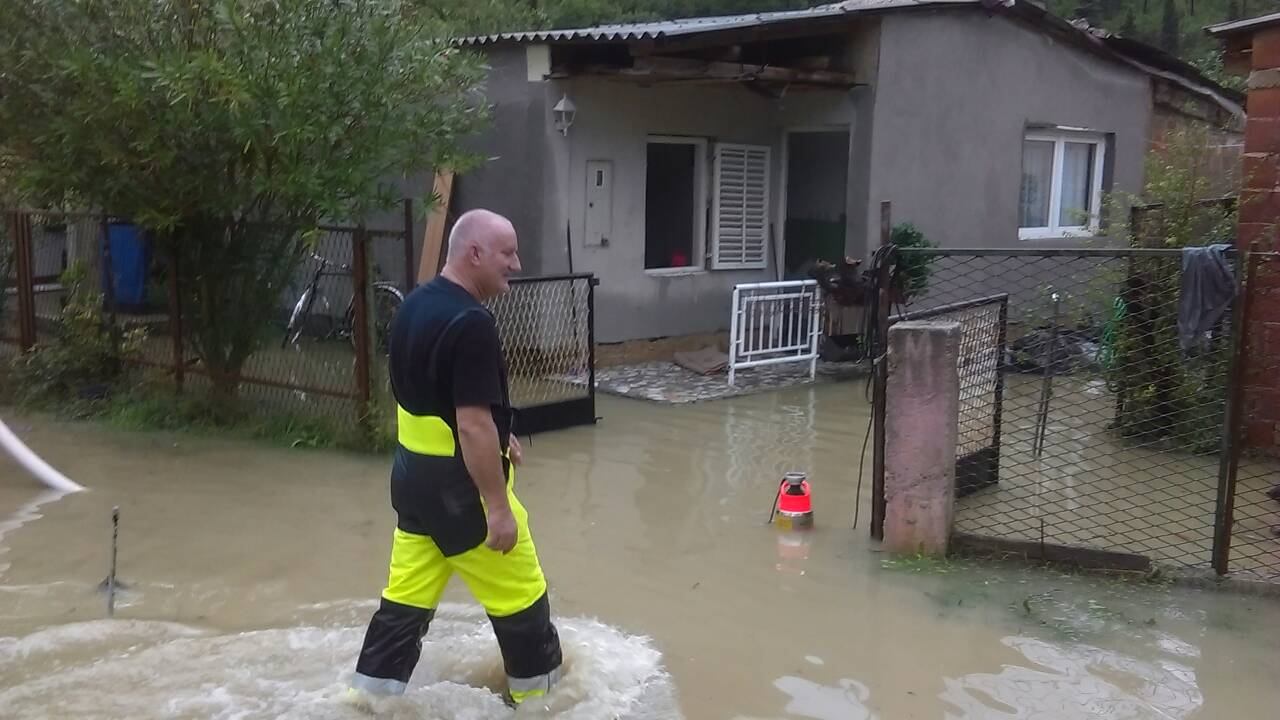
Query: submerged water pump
<point x="794" y="504"/>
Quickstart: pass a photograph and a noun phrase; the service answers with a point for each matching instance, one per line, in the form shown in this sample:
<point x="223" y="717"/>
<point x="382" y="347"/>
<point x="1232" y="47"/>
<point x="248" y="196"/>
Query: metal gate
<point x="1097" y="422"/>
<point x="547" y="326"/>
<point x="774" y="323"/>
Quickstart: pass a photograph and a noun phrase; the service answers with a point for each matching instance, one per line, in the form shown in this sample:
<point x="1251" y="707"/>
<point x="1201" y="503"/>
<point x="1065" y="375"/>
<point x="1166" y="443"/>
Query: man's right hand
<point x="502" y="530"/>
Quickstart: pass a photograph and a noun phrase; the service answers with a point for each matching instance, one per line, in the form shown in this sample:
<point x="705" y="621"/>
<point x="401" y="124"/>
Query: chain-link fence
<point x="548" y="335"/>
<point x="36" y="249"/>
<point x="982" y="348"/>
<point x="1106" y="407"/>
<point x="1250" y="518"/>
<point x="308" y="315"/>
<point x="297" y="350"/>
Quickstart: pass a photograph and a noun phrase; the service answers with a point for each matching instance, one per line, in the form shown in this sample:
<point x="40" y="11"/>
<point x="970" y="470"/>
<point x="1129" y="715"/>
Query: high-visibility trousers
<point x="441" y="529"/>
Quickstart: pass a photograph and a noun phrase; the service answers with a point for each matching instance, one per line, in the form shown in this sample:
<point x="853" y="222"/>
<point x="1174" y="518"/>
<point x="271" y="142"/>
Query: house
<point x="676" y="159"/>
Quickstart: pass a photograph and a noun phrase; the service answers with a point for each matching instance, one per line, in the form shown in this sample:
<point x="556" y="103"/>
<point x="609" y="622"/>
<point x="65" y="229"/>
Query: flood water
<point x="249" y="573"/>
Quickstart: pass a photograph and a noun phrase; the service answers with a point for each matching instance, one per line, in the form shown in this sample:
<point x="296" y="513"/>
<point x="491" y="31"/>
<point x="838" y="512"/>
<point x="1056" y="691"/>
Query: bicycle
<point x="387" y="299"/>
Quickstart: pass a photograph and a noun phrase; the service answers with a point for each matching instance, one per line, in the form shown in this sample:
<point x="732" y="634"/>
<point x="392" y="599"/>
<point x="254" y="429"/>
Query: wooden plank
<point x="685" y="70"/>
<point x="433" y="234"/>
<point x="25" y="279"/>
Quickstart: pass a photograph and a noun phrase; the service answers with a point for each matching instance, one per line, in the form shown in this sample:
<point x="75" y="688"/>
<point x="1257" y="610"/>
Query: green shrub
<point x="84" y="357"/>
<point x="1164" y="394"/>
<point x="151" y="403"/>
<point x="912" y="270"/>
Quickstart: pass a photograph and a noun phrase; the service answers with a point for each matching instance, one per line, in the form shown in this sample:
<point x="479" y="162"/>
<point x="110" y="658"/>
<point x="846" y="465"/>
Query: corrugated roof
<point x="1248" y="25"/>
<point x="693" y="26"/>
<point x="1150" y="60"/>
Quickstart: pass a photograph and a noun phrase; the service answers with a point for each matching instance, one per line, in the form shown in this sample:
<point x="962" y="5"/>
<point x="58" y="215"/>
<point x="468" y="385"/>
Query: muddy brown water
<point x="250" y="571"/>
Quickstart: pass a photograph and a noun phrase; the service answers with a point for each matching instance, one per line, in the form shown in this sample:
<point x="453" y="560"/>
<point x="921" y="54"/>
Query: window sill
<point x="675" y="272"/>
<point x="1060" y="234"/>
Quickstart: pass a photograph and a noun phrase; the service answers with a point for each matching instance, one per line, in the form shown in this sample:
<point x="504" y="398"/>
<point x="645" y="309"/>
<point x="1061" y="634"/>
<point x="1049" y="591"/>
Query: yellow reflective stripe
<point x="520" y="696"/>
<point x="425" y="434"/>
<point x="419" y="572"/>
<point x="504" y="584"/>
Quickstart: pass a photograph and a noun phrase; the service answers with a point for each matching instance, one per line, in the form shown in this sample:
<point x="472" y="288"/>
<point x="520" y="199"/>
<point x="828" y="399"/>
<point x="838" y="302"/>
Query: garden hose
<point x="1107" y="352"/>
<point x="34" y="464"/>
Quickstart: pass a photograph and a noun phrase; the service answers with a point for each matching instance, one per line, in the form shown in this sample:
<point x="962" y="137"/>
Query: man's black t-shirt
<point x="445" y="353"/>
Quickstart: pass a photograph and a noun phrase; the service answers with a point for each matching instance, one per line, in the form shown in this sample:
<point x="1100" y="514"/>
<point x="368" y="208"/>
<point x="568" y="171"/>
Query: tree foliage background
<point x="228" y="129"/>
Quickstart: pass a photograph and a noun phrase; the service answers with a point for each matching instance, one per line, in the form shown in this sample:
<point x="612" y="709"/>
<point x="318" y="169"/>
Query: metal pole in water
<point x="1046" y="387"/>
<point x="111" y="578"/>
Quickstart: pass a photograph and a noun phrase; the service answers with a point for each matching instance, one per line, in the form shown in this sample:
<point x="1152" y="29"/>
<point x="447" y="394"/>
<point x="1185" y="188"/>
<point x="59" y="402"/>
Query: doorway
<point x="816" y="189"/>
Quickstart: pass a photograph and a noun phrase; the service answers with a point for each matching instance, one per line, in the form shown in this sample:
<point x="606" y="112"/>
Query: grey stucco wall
<point x="510" y="179"/>
<point x="614" y="121"/>
<point x="955" y="92"/>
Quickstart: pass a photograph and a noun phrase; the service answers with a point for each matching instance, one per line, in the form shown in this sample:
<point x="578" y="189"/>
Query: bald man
<point x="453" y="475"/>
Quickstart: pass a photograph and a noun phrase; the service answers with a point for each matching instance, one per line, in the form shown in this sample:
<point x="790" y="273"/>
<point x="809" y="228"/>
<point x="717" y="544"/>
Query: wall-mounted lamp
<point x="564" y="112"/>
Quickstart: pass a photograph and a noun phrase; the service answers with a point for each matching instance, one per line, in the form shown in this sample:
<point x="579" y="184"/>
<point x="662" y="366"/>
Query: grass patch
<point x="143" y="401"/>
<point x="919" y="564"/>
<point x="149" y="407"/>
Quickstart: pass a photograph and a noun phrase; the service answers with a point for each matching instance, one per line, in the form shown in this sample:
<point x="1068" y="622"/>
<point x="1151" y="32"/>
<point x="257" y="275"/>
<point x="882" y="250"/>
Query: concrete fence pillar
<point x="921" y="432"/>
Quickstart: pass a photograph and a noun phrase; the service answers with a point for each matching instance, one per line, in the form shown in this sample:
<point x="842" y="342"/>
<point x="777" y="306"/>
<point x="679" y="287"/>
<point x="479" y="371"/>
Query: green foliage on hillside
<point x="1176" y="26"/>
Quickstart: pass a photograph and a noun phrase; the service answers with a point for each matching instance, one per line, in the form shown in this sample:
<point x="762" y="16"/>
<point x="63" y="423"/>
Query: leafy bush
<point x="912" y="270"/>
<point x="82" y="359"/>
<point x="150" y="403"/>
<point x="231" y="129"/>
<point x="1164" y="393"/>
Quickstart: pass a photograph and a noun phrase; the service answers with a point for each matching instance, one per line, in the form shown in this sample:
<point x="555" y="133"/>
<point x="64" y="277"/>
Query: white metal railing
<point x="774" y="323"/>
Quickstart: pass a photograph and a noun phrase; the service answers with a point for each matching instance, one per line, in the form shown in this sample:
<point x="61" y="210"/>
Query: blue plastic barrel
<point x="130" y="258"/>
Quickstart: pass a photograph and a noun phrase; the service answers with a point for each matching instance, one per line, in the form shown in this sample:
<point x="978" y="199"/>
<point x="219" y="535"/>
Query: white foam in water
<point x="139" y="670"/>
<point x="844" y="701"/>
<point x="1077" y="681"/>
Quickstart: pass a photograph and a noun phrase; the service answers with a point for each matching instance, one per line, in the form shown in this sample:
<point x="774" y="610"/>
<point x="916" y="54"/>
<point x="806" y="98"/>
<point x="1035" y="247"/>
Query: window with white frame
<point x="1061" y="191"/>
<point x="675" y="203"/>
<point x="678" y="234"/>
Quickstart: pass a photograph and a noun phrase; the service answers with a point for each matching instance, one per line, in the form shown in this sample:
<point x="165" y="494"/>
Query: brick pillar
<point x="1259" y="220"/>
<point x="921" y="432"/>
<point x="1260" y="185"/>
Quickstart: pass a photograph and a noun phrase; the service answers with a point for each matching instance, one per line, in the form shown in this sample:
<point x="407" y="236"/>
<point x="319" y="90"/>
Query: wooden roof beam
<point x="680" y="68"/>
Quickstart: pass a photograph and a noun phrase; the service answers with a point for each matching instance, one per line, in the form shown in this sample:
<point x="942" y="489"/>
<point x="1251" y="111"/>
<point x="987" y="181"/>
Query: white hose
<point x="32" y="462"/>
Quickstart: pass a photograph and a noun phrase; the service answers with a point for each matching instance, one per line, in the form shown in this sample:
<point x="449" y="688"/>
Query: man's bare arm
<point x="482" y="455"/>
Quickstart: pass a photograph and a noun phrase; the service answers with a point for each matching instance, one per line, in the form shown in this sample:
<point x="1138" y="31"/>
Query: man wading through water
<point x="451" y="482"/>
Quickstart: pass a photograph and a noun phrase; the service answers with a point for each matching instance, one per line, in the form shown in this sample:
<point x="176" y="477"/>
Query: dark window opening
<point x="669" y="212"/>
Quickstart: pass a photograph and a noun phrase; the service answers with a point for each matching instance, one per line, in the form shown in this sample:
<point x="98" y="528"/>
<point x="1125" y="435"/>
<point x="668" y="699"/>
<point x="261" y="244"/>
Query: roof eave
<point x="1247" y="26"/>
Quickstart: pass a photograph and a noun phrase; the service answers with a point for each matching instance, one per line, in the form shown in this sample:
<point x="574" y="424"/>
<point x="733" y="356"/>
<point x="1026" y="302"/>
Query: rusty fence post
<point x="409" y="276"/>
<point x="880" y="372"/>
<point x="175" y="318"/>
<point x="1233" y="422"/>
<point x="108" y="272"/>
<point x="24" y="272"/>
<point x="360" y="316"/>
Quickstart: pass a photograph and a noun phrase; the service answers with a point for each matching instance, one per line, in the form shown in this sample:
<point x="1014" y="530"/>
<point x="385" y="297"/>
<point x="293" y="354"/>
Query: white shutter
<point x="740" y="208"/>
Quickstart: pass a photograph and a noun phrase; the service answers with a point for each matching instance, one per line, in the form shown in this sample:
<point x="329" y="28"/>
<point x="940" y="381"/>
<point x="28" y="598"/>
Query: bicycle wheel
<point x="387" y="299"/>
<point x="298" y="318"/>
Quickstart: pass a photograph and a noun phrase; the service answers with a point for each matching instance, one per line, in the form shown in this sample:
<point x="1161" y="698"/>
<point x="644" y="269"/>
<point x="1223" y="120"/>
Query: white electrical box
<point x="599" y="203"/>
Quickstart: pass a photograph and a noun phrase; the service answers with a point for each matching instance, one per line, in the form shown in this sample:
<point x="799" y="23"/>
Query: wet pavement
<point x="666" y="382"/>
<point x="250" y="571"/>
